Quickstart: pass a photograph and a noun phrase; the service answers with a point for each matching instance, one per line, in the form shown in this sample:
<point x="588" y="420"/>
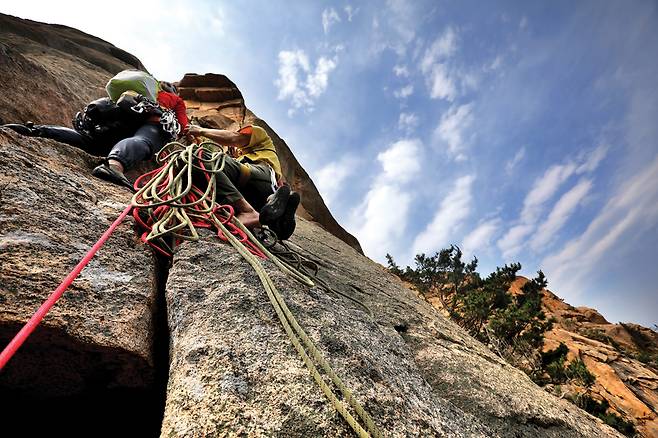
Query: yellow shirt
<point x="260" y="150"/>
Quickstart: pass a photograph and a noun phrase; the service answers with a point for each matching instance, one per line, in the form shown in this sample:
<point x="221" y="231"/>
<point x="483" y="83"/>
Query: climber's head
<point x="169" y="87"/>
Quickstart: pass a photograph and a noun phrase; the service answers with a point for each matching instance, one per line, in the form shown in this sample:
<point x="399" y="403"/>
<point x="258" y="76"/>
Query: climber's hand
<point x="194" y="130"/>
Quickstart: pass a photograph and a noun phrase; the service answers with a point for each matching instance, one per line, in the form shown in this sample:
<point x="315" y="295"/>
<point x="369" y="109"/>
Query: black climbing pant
<point x="65" y="135"/>
<point x="148" y="139"/>
<point x="99" y="145"/>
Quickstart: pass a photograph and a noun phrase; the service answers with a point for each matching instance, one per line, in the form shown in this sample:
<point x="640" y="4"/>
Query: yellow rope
<point x="180" y="161"/>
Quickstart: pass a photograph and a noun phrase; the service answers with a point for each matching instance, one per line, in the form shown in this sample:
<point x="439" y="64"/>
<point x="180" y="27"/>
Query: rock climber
<point x="148" y="138"/>
<point x="252" y="182"/>
<point x="129" y="127"/>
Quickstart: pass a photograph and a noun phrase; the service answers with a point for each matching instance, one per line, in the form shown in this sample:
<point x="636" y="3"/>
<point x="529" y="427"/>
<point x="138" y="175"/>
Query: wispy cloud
<point x="329" y="18"/>
<point x="298" y="82"/>
<point x="441" y="85"/>
<point x="631" y="210"/>
<point x="454" y="209"/>
<point x="523" y="23"/>
<point x="401" y="71"/>
<point x="452" y="130"/>
<point x="435" y="68"/>
<point x="441" y="49"/>
<point x="561" y="212"/>
<point x="496" y="63"/>
<point x="511" y="164"/>
<point x="543" y="190"/>
<point x="351" y="12"/>
<point x="480" y="239"/>
<point x="592" y="159"/>
<point x="381" y="219"/>
<point x="394" y="27"/>
<point x="408" y="121"/>
<point x="404" y="92"/>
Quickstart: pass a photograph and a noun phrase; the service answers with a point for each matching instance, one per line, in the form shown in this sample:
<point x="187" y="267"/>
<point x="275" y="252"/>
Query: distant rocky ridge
<point x="611" y="353"/>
<point x="191" y="347"/>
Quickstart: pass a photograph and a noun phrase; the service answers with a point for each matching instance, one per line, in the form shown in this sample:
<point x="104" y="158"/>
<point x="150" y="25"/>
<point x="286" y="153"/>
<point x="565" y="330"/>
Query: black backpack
<point x="104" y="122"/>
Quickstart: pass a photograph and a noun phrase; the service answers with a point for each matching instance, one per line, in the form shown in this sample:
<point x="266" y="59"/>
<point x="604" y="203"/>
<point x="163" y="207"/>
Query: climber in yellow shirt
<point x="252" y="181"/>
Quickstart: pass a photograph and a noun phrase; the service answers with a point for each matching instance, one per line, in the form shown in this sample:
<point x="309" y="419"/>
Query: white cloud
<point x="631" y="210"/>
<point x="454" y="208"/>
<point x="400" y="161"/>
<point x="330" y="179"/>
<point x="441" y="84"/>
<point x="329" y="18"/>
<point x="543" y="190"/>
<point x="351" y="12"/>
<point x="434" y="64"/>
<point x="512" y="242"/>
<point x="480" y="238"/>
<point x="496" y="63"/>
<point x="408" y="121"/>
<point x="442" y="48"/>
<point x="404" y="92"/>
<point x="298" y="82"/>
<point x="401" y="71"/>
<point x="381" y="219"/>
<point x="316" y="83"/>
<point x="593" y="159"/>
<point x="452" y="127"/>
<point x="561" y="212"/>
<point x="511" y="164"/>
<point x="523" y="23"/>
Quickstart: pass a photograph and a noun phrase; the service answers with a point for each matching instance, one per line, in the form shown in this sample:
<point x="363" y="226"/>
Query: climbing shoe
<point x="275" y="206"/>
<point x="108" y="174"/>
<point x="285" y="225"/>
<point x="27" y="129"/>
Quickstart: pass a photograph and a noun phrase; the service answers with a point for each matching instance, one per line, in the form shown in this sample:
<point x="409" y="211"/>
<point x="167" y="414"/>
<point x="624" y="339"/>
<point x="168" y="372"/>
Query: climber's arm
<point x="221" y="136"/>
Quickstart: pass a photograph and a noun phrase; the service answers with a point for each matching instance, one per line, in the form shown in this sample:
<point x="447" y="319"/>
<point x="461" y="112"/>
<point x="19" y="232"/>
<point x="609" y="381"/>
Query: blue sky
<point x="521" y="131"/>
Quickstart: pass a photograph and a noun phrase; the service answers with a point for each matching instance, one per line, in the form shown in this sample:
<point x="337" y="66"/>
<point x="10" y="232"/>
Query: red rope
<point x="29" y="327"/>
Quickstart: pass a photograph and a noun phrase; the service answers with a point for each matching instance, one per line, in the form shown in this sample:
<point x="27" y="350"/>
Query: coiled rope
<point x="170" y="206"/>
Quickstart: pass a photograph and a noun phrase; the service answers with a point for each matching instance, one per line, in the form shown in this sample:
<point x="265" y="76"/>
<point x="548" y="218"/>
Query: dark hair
<point x="168" y="86"/>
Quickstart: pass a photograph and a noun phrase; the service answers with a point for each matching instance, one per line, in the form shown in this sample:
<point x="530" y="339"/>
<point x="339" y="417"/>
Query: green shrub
<point x="598" y="335"/>
<point x="578" y="370"/>
<point x="553" y="355"/>
<point x="484" y="307"/>
<point x="556" y="371"/>
<point x="600" y="410"/>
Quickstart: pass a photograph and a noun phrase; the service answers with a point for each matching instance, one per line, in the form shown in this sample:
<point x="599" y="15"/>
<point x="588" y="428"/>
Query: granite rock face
<point x="234" y="372"/>
<point x="49" y="72"/>
<point x="98" y="340"/>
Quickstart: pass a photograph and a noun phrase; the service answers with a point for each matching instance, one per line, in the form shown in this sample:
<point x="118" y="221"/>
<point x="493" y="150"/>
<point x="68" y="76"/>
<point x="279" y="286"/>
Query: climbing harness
<point x="169" y="206"/>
